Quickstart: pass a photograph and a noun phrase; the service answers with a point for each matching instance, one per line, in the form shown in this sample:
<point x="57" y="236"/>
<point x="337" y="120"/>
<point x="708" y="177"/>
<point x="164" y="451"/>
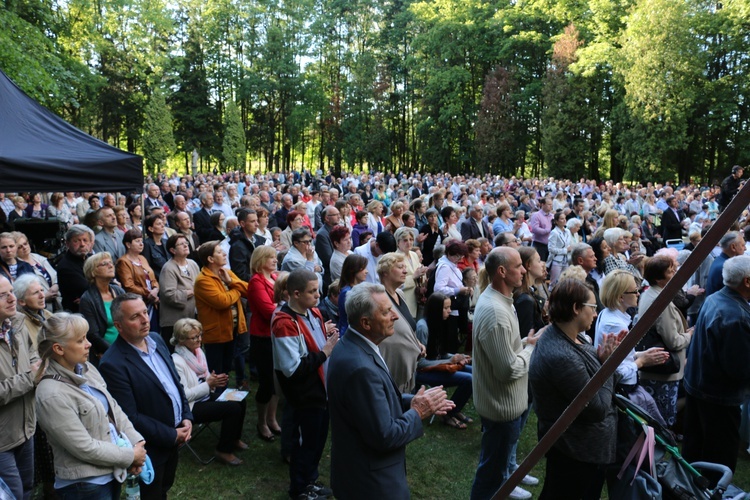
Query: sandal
<point x="463" y="418"/>
<point x="265" y="437"/>
<point x="451" y="421"/>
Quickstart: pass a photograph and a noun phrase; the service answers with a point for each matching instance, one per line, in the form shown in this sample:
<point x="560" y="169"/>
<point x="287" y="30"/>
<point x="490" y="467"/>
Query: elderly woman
<point x="562" y="363"/>
<point x="429" y="236"/>
<point x="342" y="247"/>
<point x="415" y="271"/>
<point x="560" y="244"/>
<point x="672" y="328"/>
<point x="402" y="350"/>
<point x="134" y="272"/>
<point x="96" y="303"/>
<point x="574" y="225"/>
<point x="154" y="249"/>
<point x="217" y="298"/>
<point x="449" y="282"/>
<point x="472" y="257"/>
<point x="393" y="221"/>
<point x="200" y="390"/>
<point x="177" y="280"/>
<point x="619" y="293"/>
<point x="123" y="219"/>
<point x="353" y="272"/>
<point x="503" y="224"/>
<point x="617" y="241"/>
<point x="260" y="302"/>
<point x="42" y="268"/>
<point x="29" y="290"/>
<point x="434" y="370"/>
<point x="83" y="422"/>
<point x="295" y="220"/>
<point x="58" y="209"/>
<point x="135" y="211"/>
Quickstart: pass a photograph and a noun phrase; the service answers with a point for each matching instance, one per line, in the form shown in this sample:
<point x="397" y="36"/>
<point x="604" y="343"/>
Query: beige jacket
<point x="78" y="428"/>
<point x="17" y="415"/>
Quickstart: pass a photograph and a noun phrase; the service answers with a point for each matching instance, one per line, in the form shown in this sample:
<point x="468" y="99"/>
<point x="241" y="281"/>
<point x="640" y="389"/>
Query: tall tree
<point x="158" y="138"/>
<point x="234" y="152"/>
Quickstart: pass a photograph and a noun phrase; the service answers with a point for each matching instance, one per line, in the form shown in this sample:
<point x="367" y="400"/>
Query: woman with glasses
<point x="200" y="386"/>
<point x="177" y="279"/>
<point x="619" y="294"/>
<point x="294" y="220"/>
<point x="562" y="363"/>
<point x="96" y="302"/>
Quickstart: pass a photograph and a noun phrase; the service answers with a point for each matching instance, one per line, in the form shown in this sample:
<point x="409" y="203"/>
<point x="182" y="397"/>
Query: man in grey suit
<point x="109" y="239"/>
<point x="371" y="421"/>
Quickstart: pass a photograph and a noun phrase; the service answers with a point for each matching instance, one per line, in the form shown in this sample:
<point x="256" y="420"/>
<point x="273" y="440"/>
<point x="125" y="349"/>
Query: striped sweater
<point x="500" y="361"/>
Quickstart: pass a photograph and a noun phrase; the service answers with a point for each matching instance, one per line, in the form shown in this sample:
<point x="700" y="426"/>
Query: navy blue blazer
<point x="142" y="397"/>
<point x="371" y="423"/>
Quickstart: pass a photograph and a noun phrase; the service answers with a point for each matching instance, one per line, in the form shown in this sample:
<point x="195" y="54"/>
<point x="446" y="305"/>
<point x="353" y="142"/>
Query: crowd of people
<point x="356" y="301"/>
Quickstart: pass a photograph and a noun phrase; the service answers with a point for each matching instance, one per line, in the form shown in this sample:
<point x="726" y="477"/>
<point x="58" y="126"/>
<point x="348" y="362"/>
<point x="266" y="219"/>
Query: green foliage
<point x="653" y="88"/>
<point x="234" y="152"/>
<point x="158" y="139"/>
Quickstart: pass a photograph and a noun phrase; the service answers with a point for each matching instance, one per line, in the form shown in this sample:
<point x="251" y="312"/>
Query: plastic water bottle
<point x="132" y="488"/>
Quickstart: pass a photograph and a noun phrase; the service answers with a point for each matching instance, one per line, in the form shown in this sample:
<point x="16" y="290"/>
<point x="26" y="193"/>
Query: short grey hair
<point x="402" y="233"/>
<point x="726" y="241"/>
<point x="735" y="270"/>
<point x="77" y="230"/>
<point x="578" y="251"/>
<point x="613" y="234"/>
<point x="359" y="303"/>
<point x="23" y="282"/>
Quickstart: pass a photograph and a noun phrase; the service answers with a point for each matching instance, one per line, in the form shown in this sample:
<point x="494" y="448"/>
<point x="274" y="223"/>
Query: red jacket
<point x="261" y="305"/>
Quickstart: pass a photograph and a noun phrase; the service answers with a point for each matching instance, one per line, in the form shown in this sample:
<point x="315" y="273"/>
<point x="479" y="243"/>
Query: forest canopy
<point x="631" y="89"/>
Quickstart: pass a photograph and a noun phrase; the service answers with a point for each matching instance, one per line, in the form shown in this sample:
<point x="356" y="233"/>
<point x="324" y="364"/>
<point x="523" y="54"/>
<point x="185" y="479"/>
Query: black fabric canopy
<point x="40" y="151"/>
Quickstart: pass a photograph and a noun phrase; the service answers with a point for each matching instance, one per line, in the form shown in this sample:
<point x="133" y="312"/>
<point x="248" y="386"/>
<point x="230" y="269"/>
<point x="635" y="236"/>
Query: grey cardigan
<point x="173" y="292"/>
<point x="559" y="370"/>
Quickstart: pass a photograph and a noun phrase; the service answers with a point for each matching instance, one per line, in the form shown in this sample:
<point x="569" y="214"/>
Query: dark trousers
<point x="542" y="250"/>
<point x="166" y="334"/>
<point x="230" y="413"/>
<point x="241" y="348"/>
<point x="261" y="354"/>
<point x="461" y="380"/>
<point x="220" y="357"/>
<point x="712" y="432"/>
<point x="570" y="479"/>
<point x="163" y="478"/>
<point x="88" y="491"/>
<point x="310" y="431"/>
<point x="449" y="336"/>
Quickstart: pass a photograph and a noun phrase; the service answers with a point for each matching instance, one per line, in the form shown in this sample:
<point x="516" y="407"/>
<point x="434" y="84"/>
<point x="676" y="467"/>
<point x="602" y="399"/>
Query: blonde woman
<point x="82" y="420"/>
<point x="415" y="271"/>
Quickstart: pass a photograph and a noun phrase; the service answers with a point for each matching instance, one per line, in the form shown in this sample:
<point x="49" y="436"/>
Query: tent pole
<point x="697" y="256"/>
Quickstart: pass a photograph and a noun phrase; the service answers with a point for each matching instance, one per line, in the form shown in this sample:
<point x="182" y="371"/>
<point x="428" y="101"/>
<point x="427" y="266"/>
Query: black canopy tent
<point x="40" y="151"/>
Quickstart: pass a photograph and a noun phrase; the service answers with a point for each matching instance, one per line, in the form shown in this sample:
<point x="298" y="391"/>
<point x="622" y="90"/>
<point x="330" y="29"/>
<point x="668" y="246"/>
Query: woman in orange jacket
<point x="217" y="299"/>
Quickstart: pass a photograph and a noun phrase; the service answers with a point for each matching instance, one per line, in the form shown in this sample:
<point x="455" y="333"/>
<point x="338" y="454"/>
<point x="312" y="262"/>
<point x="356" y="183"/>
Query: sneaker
<point x="529" y="481"/>
<point x="320" y="490"/>
<point x="307" y="495"/>
<point x="519" y="493"/>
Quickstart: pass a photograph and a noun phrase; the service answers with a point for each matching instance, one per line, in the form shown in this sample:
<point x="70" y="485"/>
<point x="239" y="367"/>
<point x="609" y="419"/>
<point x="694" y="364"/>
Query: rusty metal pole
<point x="719" y="229"/>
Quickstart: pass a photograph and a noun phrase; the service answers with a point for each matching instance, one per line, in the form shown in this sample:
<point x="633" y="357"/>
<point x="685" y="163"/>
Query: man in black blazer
<point x="324" y="246"/>
<point x="202" y="218"/>
<point x="142" y="378"/>
<point x="671" y="227"/>
<point x="371" y="421"/>
<point x="474" y="227"/>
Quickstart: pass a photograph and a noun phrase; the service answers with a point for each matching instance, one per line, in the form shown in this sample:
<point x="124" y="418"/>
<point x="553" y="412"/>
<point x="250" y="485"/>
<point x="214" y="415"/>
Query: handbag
<point x="653" y="339"/>
<point x="643" y="485"/>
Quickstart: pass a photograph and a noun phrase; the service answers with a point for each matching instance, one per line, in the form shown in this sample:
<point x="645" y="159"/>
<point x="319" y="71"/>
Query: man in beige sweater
<point x="500" y="378"/>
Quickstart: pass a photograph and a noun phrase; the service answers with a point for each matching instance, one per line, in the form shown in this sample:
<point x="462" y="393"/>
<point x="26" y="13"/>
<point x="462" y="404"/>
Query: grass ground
<point x="440" y="465"/>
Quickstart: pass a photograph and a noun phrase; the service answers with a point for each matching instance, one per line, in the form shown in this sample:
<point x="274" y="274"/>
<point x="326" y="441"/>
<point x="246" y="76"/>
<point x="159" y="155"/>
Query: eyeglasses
<point x="593" y="306"/>
<point x="305" y="242"/>
<point x="6" y="297"/>
<point x="634" y="292"/>
<point x="196" y="337"/>
<point x="106" y="263"/>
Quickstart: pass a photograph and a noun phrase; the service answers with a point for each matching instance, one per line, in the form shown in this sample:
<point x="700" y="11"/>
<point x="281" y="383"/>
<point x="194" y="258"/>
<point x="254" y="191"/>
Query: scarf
<point x="195" y="360"/>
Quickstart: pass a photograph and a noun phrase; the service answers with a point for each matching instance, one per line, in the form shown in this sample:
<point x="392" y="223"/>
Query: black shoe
<point x="320" y="490"/>
<point x="308" y="495"/>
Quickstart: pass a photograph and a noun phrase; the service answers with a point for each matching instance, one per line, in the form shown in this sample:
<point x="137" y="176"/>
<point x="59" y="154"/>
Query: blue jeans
<point x="498" y="441"/>
<point x="88" y="491"/>
<point x="17" y="469"/>
<point x="461" y="380"/>
<point x="513" y="462"/>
